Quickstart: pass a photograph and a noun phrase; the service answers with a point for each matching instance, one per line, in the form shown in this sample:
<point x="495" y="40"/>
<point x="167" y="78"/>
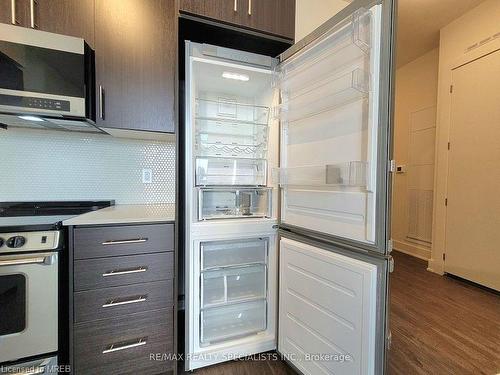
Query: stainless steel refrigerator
<point x="287" y="192"/>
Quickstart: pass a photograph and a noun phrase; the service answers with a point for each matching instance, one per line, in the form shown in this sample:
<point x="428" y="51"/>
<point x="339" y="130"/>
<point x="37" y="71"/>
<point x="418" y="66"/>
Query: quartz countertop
<point x="126" y="214"/>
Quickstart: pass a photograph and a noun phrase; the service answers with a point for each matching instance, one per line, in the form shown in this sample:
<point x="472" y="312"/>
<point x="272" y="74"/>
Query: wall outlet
<point x="147" y="176"/>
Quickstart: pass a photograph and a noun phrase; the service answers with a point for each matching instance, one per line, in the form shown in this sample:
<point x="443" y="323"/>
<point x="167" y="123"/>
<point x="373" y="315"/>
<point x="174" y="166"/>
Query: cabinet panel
<point x="269" y="16"/>
<point x="274" y="17"/>
<point x="67" y="17"/>
<point x="135" y="64"/>
<point x="21" y="10"/>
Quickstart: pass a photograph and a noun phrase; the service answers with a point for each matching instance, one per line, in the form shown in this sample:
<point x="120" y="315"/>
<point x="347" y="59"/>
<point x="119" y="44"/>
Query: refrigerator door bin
<point x="330" y="93"/>
<point x="228" y="322"/>
<point x="231" y="285"/>
<point x="224" y="171"/>
<point x="338" y="175"/>
<point x="229" y="109"/>
<point x="351" y="42"/>
<point x="219" y="254"/>
<point x="234" y="203"/>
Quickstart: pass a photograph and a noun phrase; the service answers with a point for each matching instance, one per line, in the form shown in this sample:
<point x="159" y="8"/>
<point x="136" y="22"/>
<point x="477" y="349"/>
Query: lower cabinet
<point x="122" y="300"/>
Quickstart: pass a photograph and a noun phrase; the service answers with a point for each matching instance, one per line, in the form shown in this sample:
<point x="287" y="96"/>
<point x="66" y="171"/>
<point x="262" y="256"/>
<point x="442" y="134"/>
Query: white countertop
<point x="125" y="214"/>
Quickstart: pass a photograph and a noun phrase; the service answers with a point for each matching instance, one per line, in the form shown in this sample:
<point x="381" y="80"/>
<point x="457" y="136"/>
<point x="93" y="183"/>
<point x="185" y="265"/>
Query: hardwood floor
<point x="439" y="325"/>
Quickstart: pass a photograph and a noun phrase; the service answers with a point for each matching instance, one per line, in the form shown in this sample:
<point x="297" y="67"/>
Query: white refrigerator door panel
<point x="333" y="166"/>
<point x="327" y="310"/>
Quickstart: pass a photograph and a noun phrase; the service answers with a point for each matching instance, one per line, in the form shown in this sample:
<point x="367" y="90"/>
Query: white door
<point x="335" y="115"/>
<point x="472" y="215"/>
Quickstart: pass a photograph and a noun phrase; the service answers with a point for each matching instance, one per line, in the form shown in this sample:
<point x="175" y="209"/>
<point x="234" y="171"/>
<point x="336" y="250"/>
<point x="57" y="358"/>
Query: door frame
<point x="456" y="65"/>
<point x="443" y="126"/>
<point x="387" y="73"/>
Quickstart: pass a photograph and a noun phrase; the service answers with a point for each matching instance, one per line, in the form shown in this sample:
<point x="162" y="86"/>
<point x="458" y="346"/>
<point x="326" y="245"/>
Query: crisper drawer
<point x="123" y="270"/>
<point x="229" y="322"/>
<point x="222" y="171"/>
<point x="99" y="242"/>
<point x="123" y="345"/>
<point x="233" y="285"/>
<point x="118" y="301"/>
<point x="217" y="254"/>
<point x="234" y="203"/>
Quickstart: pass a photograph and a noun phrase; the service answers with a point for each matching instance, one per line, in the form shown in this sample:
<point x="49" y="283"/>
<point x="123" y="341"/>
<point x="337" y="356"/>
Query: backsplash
<point x="51" y="165"/>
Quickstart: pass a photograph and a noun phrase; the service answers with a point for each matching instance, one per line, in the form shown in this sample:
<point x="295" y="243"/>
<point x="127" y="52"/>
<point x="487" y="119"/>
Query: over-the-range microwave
<point x="46" y="81"/>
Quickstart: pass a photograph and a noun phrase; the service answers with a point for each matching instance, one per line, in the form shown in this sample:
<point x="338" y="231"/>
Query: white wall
<point x="310" y="14"/>
<point x="476" y="26"/>
<point x="414" y="143"/>
<point x="52" y="165"/>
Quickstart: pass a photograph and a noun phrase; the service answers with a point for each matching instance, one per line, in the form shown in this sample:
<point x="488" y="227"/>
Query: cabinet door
<point x="135" y="48"/>
<point x="67" y="17"/>
<point x="274" y="17"/>
<point x="222" y="10"/>
<point x="20" y="9"/>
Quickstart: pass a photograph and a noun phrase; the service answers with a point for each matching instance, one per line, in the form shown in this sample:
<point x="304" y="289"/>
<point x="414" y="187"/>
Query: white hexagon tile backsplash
<point x="51" y="165"/>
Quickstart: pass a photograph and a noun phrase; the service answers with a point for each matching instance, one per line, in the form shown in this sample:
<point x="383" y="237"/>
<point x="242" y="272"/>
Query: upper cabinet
<point x="67" y="17"/>
<point x="135" y="48"/>
<point x="15" y="12"/>
<point x="276" y="17"/>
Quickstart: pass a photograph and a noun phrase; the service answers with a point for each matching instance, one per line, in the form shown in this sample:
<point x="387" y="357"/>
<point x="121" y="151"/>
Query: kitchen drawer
<point x="99" y="242"/>
<point x="220" y="254"/>
<point x="123" y="345"/>
<point x="122" y="300"/>
<point x="123" y="270"/>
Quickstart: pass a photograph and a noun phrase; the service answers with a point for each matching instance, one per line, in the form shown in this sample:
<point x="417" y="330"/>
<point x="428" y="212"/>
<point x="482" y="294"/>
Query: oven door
<point x="28" y="305"/>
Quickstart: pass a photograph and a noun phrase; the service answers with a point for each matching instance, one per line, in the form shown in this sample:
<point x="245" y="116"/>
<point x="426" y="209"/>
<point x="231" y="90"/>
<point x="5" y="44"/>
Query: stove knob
<point x="16" y="242"/>
<point x="1" y="241"/>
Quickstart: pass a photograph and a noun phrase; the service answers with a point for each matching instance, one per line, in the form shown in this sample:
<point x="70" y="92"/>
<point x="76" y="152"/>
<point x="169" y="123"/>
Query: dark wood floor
<point x="439" y="325"/>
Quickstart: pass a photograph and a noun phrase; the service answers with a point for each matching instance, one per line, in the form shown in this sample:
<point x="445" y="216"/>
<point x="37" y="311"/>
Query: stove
<point x="33" y="278"/>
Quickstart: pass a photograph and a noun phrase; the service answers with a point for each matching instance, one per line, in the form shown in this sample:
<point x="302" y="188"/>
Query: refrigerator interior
<point x="233" y="133"/>
<point x="329" y="114"/>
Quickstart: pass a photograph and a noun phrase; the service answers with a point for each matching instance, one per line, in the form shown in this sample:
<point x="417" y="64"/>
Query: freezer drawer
<point x="218" y="254"/>
<point x="234" y="203"/>
<point x="228" y="322"/>
<point x="230" y="171"/>
<point x="231" y="285"/>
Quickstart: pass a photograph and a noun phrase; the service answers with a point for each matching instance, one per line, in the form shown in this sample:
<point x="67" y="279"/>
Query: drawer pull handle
<point x="119" y="302"/>
<point x="121" y="242"/>
<point x="125" y="345"/>
<point x="125" y="272"/>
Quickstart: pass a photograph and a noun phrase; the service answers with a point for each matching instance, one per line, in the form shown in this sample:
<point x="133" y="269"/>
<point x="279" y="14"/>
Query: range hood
<point x="47" y="81"/>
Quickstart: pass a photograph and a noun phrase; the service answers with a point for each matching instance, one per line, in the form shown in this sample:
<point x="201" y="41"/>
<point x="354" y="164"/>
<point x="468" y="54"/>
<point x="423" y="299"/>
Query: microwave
<point x="47" y="81"/>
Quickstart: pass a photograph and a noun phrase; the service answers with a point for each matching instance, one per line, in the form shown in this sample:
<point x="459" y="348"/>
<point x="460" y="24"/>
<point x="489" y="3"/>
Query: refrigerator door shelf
<point x="351" y="42"/>
<point x="233" y="253"/>
<point x="233" y="285"/>
<point x="234" y="203"/>
<point x="327" y="95"/>
<point x="229" y="322"/>
<point x="230" y="171"/>
<point x="351" y="174"/>
<point x="226" y="109"/>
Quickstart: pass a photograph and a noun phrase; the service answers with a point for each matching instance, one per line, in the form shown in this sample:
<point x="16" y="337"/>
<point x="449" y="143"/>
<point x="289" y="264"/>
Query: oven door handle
<point x="35" y="370"/>
<point x="45" y="260"/>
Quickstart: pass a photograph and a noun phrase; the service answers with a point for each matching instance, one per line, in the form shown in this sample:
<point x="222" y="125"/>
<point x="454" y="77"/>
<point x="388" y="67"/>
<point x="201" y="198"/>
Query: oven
<point x="28" y="305"/>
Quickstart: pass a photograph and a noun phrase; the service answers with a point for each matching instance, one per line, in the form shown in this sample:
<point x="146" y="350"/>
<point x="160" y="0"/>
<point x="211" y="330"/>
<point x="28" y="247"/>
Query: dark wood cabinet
<point x="67" y="17"/>
<point x="136" y="48"/>
<point x="276" y="17"/>
<point x="21" y="9"/>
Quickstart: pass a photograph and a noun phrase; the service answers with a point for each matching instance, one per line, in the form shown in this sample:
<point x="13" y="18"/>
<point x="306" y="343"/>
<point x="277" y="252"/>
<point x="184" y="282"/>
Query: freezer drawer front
<point x="327" y="311"/>
<point x="335" y="116"/>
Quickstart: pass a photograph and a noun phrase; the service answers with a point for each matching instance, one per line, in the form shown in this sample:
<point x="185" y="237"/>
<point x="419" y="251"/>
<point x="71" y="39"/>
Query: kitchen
<point x="175" y="195"/>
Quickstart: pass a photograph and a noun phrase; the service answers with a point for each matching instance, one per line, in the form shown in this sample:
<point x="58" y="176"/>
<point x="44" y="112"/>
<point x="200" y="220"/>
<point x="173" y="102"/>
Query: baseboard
<point x="413" y="250"/>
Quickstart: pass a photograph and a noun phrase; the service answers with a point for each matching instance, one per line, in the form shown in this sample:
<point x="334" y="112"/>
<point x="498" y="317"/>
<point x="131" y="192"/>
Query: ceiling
<point x="419" y="22"/>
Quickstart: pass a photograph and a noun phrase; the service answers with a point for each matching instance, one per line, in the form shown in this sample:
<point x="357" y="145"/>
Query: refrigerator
<point x="287" y="190"/>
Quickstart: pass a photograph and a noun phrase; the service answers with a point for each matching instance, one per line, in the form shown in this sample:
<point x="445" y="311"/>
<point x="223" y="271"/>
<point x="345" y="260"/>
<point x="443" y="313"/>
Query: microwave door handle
<point x="101" y="102"/>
